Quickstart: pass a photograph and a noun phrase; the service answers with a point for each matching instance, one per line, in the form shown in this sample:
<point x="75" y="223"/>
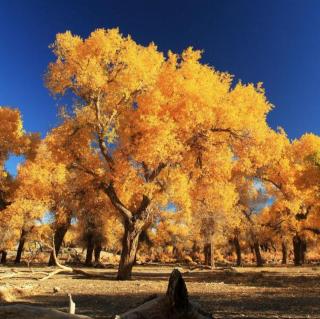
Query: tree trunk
<point x="284" y="253"/>
<point x="129" y="250"/>
<point x="97" y="252"/>
<point x="134" y="223"/>
<point x="303" y="250"/>
<point x="259" y="260"/>
<point x="58" y="239"/>
<point x="238" y="250"/>
<point x="90" y="248"/>
<point x="299" y="249"/>
<point x="207" y="254"/>
<point x="21" y="246"/>
<point x="212" y="261"/>
<point x="3" y="257"/>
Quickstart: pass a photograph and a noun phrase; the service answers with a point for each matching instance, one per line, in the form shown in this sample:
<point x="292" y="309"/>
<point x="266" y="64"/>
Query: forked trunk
<point x="238" y="250"/>
<point x="284" y="253"/>
<point x="134" y="223"/>
<point x="58" y="239"/>
<point x="90" y="247"/>
<point x="3" y="257"/>
<point x="130" y="243"/>
<point x="21" y="246"/>
<point x="259" y="260"/>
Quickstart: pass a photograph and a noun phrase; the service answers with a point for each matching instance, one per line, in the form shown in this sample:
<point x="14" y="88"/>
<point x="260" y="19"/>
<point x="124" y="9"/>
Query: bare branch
<point x="63" y="268"/>
<point x="279" y="186"/>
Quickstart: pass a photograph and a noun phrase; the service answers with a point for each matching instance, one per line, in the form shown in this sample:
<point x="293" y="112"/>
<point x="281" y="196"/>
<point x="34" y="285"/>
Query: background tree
<point x="13" y="141"/>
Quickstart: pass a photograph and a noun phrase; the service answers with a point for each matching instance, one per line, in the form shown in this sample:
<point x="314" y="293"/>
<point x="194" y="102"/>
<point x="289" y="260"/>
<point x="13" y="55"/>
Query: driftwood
<point x="62" y="268"/>
<point x="8" y="293"/>
<point x="31" y="312"/>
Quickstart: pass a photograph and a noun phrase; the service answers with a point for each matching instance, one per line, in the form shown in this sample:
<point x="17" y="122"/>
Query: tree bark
<point x="299" y="249"/>
<point x="259" y="260"/>
<point x="284" y="253"/>
<point x="58" y="239"/>
<point x="97" y="252"/>
<point x="90" y="248"/>
<point x="21" y="246"/>
<point x="3" y="257"/>
<point x="207" y="254"/>
<point x="129" y="250"/>
<point x="238" y="250"/>
<point x="212" y="261"/>
<point x="303" y="250"/>
<point x="134" y="223"/>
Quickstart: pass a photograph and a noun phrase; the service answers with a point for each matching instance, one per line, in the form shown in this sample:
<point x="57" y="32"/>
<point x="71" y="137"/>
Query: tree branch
<point x="110" y="191"/>
<point x="276" y="185"/>
<point x="100" y="133"/>
<point x="312" y="229"/>
<point x="151" y="175"/>
<point x="303" y="216"/>
<point x="229" y="131"/>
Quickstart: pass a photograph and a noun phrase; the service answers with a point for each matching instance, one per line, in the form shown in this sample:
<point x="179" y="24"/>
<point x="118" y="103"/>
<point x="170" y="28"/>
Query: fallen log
<point x="62" y="268"/>
<point x="27" y="312"/>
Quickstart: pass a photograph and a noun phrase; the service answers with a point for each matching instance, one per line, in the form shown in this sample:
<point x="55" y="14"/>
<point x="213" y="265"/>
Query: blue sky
<point x="276" y="42"/>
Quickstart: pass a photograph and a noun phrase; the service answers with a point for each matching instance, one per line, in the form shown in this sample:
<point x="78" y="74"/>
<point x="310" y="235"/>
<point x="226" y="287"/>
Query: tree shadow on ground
<point x="262" y="305"/>
<point x="244" y="278"/>
<point x="250" y="277"/>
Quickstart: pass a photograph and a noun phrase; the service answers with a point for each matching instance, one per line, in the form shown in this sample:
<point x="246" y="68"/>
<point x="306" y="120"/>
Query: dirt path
<point x="273" y="292"/>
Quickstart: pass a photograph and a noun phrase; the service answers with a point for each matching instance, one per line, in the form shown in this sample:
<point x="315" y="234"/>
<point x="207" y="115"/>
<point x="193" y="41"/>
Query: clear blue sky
<point x="275" y="41"/>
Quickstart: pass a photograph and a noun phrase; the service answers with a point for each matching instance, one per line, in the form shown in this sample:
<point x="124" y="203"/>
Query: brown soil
<point x="248" y="292"/>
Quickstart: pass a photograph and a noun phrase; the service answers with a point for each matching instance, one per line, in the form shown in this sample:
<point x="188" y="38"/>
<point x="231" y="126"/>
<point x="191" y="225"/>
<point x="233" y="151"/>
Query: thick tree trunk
<point x="97" y="252"/>
<point x="238" y="250"/>
<point x="303" y="250"/>
<point x="259" y="260"/>
<point x="299" y="249"/>
<point x="21" y="246"/>
<point x="130" y="243"/>
<point x="90" y="248"/>
<point x="284" y="253"/>
<point x="207" y="254"/>
<point x="134" y="223"/>
<point x="3" y="257"/>
<point x="58" y="239"/>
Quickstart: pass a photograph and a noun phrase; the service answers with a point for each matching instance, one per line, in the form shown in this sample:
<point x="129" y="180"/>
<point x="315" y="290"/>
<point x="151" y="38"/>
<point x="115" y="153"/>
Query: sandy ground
<point x="248" y="292"/>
